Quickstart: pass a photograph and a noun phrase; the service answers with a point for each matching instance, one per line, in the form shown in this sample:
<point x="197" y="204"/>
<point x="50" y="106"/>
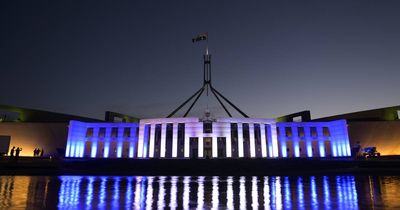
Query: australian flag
<point x="200" y="37"/>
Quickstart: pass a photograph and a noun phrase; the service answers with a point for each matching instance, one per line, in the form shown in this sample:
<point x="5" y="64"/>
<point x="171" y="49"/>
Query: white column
<point x="240" y="138"/>
<point x="69" y="140"/>
<point x="320" y="137"/>
<point x="95" y="139"/>
<point x="307" y="134"/>
<point x="120" y="140"/>
<point x="152" y="128"/>
<point x="228" y="140"/>
<point x="175" y="140"/>
<point x="163" y="139"/>
<point x="82" y="148"/>
<point x="282" y="140"/>
<point x="187" y="143"/>
<point x="142" y="134"/>
<point x="252" y="140"/>
<point x="132" y="142"/>
<point x="214" y="146"/>
<point x="346" y="136"/>
<point x="107" y="142"/>
<point x="271" y="137"/>
<point x="295" y="138"/>
<point x="263" y="141"/>
<point x="274" y="141"/>
<point x="200" y="147"/>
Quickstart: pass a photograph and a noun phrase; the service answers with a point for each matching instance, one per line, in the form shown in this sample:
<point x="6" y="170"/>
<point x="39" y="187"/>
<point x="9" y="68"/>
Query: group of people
<point x="38" y="152"/>
<point x="16" y="151"/>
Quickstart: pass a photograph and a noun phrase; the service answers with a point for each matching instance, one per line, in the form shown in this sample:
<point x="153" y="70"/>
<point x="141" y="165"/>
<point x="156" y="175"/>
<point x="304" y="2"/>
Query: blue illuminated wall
<point x="121" y="143"/>
<point x="278" y="139"/>
<point x="328" y="139"/>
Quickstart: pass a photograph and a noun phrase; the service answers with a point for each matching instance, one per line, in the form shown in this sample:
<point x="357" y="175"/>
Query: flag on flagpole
<point x="200" y="37"/>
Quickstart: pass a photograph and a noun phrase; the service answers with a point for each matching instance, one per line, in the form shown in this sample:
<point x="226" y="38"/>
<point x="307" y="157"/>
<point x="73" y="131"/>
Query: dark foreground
<point x="299" y="166"/>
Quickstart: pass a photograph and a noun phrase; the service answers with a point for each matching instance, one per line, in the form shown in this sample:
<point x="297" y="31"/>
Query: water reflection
<point x="200" y="192"/>
<point x="141" y="192"/>
<point x="186" y="191"/>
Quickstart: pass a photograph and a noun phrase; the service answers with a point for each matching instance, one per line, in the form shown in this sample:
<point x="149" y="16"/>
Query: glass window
<point x="313" y="131"/>
<point x="89" y="132"/>
<point x="246" y="132"/>
<point x="234" y="131"/>
<point x="257" y="135"/>
<point x="326" y="132"/>
<point x="114" y="132"/>
<point x="297" y="119"/>
<point x="127" y="132"/>
<point x="207" y="127"/>
<point x="288" y="131"/>
<point x="300" y="131"/>
<point x="102" y="132"/>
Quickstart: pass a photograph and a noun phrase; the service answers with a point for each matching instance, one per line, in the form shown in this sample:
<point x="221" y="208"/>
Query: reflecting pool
<point x="199" y="192"/>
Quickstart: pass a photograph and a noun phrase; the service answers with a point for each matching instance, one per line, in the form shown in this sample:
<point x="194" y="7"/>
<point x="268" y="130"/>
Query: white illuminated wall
<point x="143" y="145"/>
<point x="194" y="129"/>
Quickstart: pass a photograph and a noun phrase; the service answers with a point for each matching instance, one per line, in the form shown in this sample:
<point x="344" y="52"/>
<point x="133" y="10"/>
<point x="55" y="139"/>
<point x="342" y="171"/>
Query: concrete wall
<point x="48" y="136"/>
<point x="384" y="135"/>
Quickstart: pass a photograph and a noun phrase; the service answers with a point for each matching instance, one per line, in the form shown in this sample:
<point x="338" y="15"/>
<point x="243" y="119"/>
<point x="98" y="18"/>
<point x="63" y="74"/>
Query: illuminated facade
<point x="191" y="137"/>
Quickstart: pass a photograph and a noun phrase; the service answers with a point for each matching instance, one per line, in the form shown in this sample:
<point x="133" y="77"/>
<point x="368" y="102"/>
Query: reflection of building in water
<point x="379" y="191"/>
<point x="336" y="192"/>
<point x="221" y="138"/>
<point x="37" y="191"/>
<point x="28" y="192"/>
<point x="388" y="185"/>
<point x="6" y="191"/>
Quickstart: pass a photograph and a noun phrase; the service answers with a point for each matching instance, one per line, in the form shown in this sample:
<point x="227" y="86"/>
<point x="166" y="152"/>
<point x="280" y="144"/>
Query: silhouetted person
<point x="12" y="152"/>
<point x="17" y="151"/>
<point x="35" y="152"/>
<point x="41" y="152"/>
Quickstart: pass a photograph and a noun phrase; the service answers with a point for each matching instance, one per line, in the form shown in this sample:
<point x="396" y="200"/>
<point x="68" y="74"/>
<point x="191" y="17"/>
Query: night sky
<point x="270" y="58"/>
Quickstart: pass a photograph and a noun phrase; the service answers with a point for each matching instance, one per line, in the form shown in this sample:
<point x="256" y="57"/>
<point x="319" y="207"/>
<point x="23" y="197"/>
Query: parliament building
<point x="191" y="137"/>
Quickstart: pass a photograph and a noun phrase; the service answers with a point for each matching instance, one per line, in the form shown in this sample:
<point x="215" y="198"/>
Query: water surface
<point x="199" y="192"/>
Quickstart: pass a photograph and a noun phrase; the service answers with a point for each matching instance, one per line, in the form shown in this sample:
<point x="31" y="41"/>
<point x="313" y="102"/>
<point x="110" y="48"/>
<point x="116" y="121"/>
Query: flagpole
<point x="207" y="110"/>
<point x="207" y="68"/>
<point x="207" y="85"/>
<point x="207" y="45"/>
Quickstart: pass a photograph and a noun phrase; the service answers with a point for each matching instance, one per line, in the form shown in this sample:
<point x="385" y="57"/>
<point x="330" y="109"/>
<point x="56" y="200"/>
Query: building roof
<point x="381" y="114"/>
<point x="19" y="114"/>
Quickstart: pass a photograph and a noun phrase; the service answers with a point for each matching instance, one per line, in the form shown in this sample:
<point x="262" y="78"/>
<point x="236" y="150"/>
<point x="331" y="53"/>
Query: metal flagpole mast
<point x="207" y="85"/>
<point x="208" y="72"/>
<point x="207" y="61"/>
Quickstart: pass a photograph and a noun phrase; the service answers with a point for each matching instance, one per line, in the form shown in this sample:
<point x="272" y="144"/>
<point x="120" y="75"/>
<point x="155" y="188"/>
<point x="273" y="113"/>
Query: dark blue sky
<point x="270" y="58"/>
